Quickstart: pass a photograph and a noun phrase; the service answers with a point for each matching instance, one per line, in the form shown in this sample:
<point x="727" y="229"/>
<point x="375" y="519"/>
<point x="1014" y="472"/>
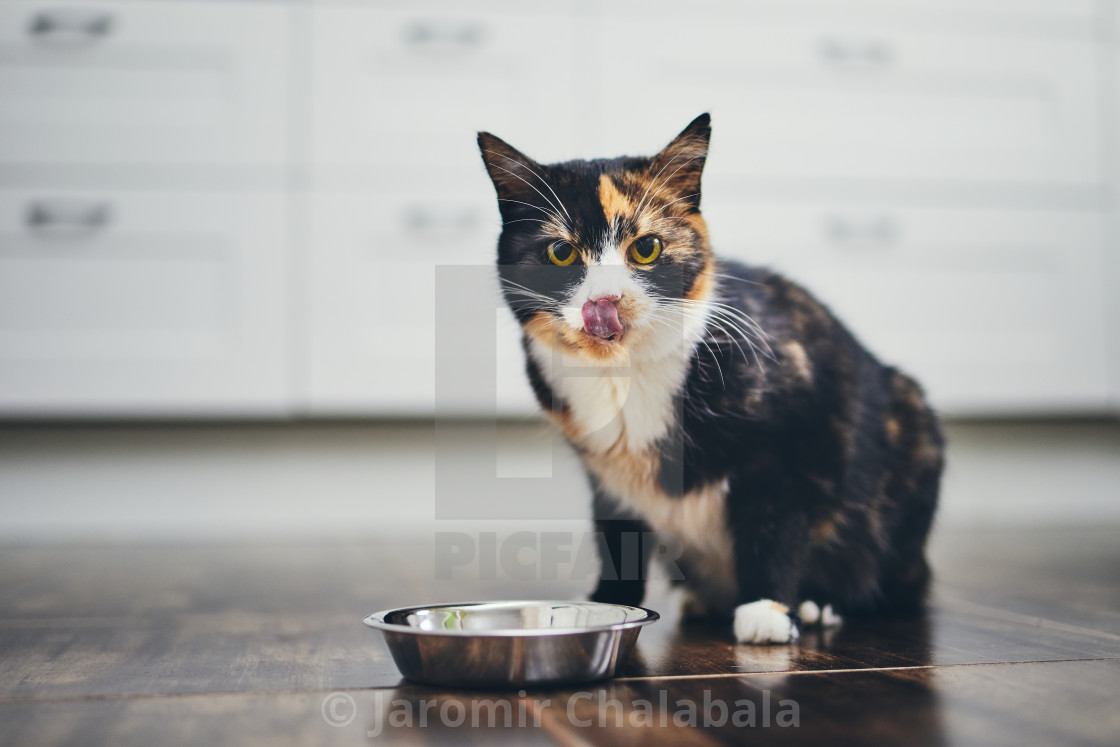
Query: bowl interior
<point x="494" y="617"/>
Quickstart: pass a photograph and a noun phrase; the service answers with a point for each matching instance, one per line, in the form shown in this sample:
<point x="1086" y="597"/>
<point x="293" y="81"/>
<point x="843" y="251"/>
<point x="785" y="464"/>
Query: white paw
<point x="764" y="621"/>
<point x="829" y="618"/>
<point x="811" y="614"/>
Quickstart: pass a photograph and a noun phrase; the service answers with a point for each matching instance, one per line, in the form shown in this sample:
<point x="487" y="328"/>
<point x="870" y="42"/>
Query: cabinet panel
<point x="112" y="82"/>
<point x="373" y="279"/>
<point x="841" y="101"/>
<point x="409" y="87"/>
<point x="993" y="311"/>
<point x="120" y="303"/>
<point x="1025" y="18"/>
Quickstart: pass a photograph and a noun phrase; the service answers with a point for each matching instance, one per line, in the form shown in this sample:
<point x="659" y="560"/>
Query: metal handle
<point x="882" y="230"/>
<point x="68" y="215"/>
<point x="428" y="33"/>
<point x="419" y="219"/>
<point x="69" y="22"/>
<point x="874" y="53"/>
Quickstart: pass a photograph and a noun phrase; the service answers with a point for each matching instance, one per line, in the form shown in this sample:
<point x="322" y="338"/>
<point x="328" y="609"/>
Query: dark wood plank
<point x="993" y="704"/>
<point x="1064" y="577"/>
<point x="110" y="621"/>
<point x="356" y="718"/>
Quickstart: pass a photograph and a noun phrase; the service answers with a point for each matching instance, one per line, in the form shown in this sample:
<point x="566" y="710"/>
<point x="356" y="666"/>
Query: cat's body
<point x="712" y="401"/>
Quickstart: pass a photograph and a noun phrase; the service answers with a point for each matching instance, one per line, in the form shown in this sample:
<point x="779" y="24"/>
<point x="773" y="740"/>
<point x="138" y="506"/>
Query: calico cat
<point x="714" y="401"/>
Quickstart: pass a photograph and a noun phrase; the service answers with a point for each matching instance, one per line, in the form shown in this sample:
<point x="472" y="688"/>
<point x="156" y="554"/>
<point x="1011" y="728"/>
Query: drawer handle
<point x="68" y="215"/>
<point x="76" y="23"/>
<point x="855" y="54"/>
<point x="419" y="219"/>
<point x="882" y="231"/>
<point x="426" y="34"/>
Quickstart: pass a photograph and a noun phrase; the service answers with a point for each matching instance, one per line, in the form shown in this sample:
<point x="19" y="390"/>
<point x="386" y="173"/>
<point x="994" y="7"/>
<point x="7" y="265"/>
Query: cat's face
<point x="608" y="258"/>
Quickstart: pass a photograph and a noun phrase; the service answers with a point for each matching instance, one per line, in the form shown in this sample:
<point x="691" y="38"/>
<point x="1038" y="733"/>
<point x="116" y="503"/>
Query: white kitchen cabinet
<point x="106" y="82"/>
<point x="142" y="304"/>
<point x="996" y="312"/>
<point x="372" y="330"/>
<point x="835" y="101"/>
<point x="403" y="87"/>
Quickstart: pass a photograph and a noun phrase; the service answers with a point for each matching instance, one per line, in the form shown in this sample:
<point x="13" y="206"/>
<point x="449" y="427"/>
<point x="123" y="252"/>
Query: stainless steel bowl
<point x="511" y="643"/>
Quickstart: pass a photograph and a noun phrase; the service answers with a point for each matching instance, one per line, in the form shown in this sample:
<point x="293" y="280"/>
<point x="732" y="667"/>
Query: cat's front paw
<point x="764" y="621"/>
<point x="813" y="614"/>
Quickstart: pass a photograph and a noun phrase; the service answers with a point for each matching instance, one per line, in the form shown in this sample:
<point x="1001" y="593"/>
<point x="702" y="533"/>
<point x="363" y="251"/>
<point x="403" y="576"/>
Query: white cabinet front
<point x="825" y="103"/>
<point x="123" y="303"/>
<point x="374" y="309"/>
<point x="404" y="87"/>
<point x="995" y="311"/>
<point x="156" y="83"/>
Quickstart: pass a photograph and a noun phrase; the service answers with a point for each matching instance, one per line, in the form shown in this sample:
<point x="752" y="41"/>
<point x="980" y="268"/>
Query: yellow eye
<point x="645" y="250"/>
<point x="561" y="253"/>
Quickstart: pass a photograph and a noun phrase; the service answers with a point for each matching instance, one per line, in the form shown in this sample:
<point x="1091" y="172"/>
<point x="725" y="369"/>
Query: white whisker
<point x="559" y="203"/>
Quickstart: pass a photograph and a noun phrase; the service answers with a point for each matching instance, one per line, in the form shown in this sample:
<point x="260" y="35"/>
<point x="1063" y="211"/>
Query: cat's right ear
<point x="512" y="172"/>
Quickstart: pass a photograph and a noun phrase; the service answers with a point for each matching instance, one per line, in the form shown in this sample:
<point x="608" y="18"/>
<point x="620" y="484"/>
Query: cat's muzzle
<point x="600" y="318"/>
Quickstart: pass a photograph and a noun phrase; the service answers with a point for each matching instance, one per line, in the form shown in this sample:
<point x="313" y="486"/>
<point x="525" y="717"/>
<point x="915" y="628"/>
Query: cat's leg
<point x="624" y="550"/>
<point x="625" y="546"/>
<point x="771" y="538"/>
<point x="914" y="433"/>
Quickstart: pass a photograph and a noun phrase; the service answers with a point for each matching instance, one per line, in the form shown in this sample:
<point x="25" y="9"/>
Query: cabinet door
<point x="995" y="312"/>
<point x="373" y="268"/>
<point x="404" y="86"/>
<point x="142" y="304"/>
<point x="110" y="82"/>
<point x="842" y="100"/>
<point x="1042" y="19"/>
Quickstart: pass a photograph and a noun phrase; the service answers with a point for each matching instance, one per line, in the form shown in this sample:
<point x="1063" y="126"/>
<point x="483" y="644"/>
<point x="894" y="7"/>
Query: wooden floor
<point x="263" y="644"/>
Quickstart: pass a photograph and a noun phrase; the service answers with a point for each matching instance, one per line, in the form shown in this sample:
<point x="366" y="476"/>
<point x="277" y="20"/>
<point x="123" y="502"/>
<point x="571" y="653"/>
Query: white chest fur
<point x="624" y="407"/>
<point x="617" y="415"/>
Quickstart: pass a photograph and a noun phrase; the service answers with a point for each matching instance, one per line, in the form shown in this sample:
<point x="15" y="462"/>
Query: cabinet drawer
<point x="114" y="303"/>
<point x="407" y="86"/>
<point x="111" y="82"/>
<point x="373" y="277"/>
<point x="841" y="101"/>
<point x="1047" y="19"/>
<point x="993" y="311"/>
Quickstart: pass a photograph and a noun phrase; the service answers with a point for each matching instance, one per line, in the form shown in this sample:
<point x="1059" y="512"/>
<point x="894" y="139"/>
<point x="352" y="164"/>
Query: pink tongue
<point x="600" y="318"/>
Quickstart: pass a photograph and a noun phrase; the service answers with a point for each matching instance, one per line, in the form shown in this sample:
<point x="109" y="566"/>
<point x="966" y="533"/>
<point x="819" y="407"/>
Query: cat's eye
<point x="561" y="253"/>
<point x="645" y="250"/>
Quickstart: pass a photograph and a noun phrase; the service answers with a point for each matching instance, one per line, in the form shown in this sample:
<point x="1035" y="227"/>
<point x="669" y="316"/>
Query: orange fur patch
<point x="893" y="430"/>
<point x="799" y="360"/>
<point x="823" y="531"/>
<point x="615" y="204"/>
<point x="699" y="224"/>
<point x="702" y="288"/>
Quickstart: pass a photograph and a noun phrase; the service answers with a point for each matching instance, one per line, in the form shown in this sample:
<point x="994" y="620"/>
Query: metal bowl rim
<point x="377" y="621"/>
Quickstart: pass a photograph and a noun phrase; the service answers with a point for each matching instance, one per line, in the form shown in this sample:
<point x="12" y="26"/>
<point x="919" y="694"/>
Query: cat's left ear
<point x="681" y="162"/>
<point x="514" y="174"/>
